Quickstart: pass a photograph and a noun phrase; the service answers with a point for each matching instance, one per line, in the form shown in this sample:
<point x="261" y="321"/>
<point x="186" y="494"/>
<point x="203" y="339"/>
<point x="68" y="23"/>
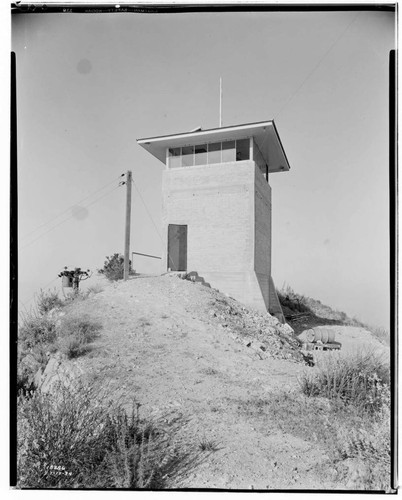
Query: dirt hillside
<point x="201" y="364"/>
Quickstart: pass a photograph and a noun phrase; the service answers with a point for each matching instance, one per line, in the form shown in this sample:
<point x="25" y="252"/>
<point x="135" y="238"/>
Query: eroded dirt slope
<point x="200" y="362"/>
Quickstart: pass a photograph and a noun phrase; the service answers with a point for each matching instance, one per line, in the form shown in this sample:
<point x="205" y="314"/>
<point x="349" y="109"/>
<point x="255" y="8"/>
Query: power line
<point x="68" y="218"/>
<point x="41" y="288"/>
<point x="311" y="72"/>
<point x="317" y="65"/>
<point x="146" y="208"/>
<point x="150" y="216"/>
<point x="69" y="208"/>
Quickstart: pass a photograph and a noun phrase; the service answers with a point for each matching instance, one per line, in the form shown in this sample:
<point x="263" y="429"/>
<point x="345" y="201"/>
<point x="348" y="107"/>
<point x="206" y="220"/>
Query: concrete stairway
<point x="195" y="278"/>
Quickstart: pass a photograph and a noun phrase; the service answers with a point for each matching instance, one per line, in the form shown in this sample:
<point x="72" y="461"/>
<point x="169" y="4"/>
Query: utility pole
<point x="128" y="225"/>
<point x="220" y="102"/>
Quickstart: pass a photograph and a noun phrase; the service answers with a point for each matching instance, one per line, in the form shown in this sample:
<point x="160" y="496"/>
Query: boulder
<point x="29" y="363"/>
<point x="286" y="329"/>
<point x="38" y="378"/>
<point x="58" y="372"/>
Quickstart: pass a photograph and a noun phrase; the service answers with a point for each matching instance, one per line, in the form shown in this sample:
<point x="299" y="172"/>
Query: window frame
<point x="207" y="144"/>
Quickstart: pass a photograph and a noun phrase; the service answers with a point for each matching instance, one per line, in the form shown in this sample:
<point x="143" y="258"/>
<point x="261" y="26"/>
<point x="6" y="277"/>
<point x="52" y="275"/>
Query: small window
<point x="243" y="149"/>
<point x="228" y="151"/>
<point x="214" y="153"/>
<point x="174" y="157"/>
<point x="187" y="155"/>
<point x="201" y="156"/>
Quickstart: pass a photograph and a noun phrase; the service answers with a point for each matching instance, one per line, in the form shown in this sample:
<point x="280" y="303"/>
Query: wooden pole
<point x="128" y="225"/>
<point x="220" y="102"/>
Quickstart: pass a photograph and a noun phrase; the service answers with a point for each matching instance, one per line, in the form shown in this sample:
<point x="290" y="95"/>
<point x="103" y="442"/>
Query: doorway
<point x="177" y="247"/>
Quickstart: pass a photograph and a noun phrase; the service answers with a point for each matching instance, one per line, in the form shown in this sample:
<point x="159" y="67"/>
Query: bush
<point x="368" y="449"/>
<point x="36" y="329"/>
<point x="361" y="380"/>
<point x="113" y="267"/>
<point x="382" y="334"/>
<point x="72" y="441"/>
<point x="79" y="439"/>
<point x="292" y="300"/>
<point x="47" y="301"/>
<point x="36" y="337"/>
<point x="75" y="335"/>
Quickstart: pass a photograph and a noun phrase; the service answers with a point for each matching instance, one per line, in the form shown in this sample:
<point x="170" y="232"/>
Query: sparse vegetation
<point x="303" y="312"/>
<point x="94" y="289"/>
<point x="36" y="329"/>
<point x="291" y="300"/>
<point x="361" y="380"/>
<point x="77" y="334"/>
<point x="76" y="438"/>
<point x="113" y="267"/>
<point x="209" y="371"/>
<point x="80" y="438"/>
<point x="344" y="405"/>
<point x="382" y="334"/>
<point x="46" y="301"/>
<point x="208" y="445"/>
<point x="73" y="440"/>
<point x="41" y="333"/>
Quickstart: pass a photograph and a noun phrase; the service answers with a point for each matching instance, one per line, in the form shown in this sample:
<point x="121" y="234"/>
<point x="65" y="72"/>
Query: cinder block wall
<point x="227" y="210"/>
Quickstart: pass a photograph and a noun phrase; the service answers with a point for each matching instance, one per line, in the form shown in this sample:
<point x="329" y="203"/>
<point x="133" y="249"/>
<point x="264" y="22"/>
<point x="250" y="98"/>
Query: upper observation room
<point x="259" y="142"/>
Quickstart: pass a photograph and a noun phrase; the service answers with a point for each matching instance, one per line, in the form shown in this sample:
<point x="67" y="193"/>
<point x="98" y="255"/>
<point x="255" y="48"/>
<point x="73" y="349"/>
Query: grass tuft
<point x="361" y="380"/>
<point x="292" y="301"/>
<point x="208" y="445"/>
<point x="71" y="440"/>
<point x="76" y="335"/>
<point x="77" y="437"/>
<point x="46" y="301"/>
<point x="35" y="330"/>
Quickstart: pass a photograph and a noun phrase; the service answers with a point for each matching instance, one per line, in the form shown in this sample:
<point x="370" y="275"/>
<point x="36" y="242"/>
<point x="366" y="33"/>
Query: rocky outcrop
<point x="58" y="371"/>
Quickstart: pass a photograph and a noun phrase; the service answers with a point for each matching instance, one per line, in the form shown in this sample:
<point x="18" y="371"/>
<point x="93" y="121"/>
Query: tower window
<point x="187" y="156"/>
<point x="243" y="149"/>
<point x="174" y="157"/>
<point x="228" y="151"/>
<point x="209" y="154"/>
<point x="201" y="154"/>
<point x="214" y="153"/>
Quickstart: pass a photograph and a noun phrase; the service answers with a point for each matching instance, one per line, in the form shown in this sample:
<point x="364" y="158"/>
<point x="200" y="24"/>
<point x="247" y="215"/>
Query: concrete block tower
<point x="216" y="216"/>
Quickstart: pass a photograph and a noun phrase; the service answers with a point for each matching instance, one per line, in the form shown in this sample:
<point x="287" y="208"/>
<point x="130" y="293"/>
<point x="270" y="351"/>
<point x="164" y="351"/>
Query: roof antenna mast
<point x="220" y="102"/>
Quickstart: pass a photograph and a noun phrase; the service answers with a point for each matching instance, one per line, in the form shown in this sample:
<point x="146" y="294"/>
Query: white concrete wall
<point x="263" y="234"/>
<point x="227" y="208"/>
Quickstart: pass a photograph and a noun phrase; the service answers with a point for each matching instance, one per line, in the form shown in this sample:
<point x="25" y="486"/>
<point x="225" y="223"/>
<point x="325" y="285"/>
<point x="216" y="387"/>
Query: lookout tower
<point x="216" y="215"/>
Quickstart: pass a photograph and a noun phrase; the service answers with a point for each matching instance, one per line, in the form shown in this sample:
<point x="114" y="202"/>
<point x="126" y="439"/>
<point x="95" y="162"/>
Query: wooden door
<point x="177" y="247"/>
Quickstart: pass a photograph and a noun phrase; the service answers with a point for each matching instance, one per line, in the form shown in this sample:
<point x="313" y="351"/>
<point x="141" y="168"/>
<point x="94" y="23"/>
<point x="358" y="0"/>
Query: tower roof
<point x="265" y="135"/>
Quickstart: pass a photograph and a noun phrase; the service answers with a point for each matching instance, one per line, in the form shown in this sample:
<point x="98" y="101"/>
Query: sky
<point x="89" y="85"/>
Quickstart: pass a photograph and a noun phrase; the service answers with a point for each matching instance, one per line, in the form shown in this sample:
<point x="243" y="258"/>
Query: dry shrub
<point x="361" y="380"/>
<point x="113" y="267"/>
<point x="36" y="329"/>
<point x="76" y="333"/>
<point x="46" y="301"/>
<point x="292" y="300"/>
<point x="78" y="437"/>
<point x="71" y="440"/>
<point x="361" y="383"/>
<point x="369" y="447"/>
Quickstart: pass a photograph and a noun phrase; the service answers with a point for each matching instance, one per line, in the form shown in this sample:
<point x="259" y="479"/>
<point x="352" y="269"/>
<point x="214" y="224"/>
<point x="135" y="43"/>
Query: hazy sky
<point x="89" y="85"/>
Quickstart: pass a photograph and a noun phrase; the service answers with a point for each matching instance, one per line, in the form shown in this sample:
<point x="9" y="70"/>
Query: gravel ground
<point x="194" y="360"/>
